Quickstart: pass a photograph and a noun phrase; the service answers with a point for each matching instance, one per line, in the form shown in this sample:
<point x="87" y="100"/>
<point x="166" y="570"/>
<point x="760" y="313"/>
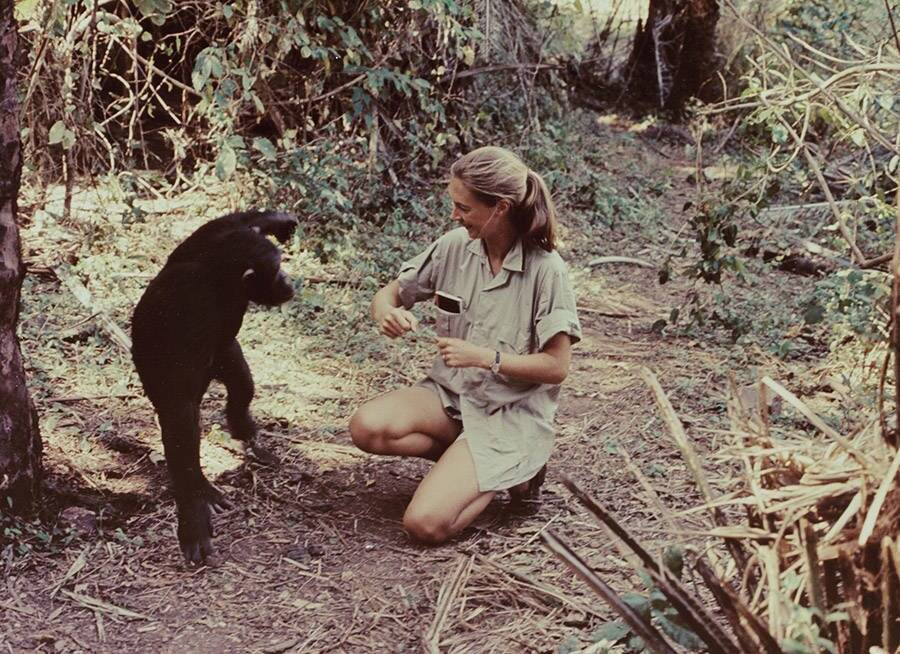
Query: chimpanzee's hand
<point x="280" y="225"/>
<point x="195" y="529"/>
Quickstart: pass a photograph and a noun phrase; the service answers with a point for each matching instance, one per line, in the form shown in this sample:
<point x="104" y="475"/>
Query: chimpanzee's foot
<point x="195" y="528"/>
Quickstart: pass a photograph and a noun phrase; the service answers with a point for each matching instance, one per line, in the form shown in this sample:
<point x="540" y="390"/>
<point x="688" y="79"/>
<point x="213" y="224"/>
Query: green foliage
<point x="20" y="538"/>
<point x="851" y="303"/>
<point x="716" y="233"/>
<point x="652" y="605"/>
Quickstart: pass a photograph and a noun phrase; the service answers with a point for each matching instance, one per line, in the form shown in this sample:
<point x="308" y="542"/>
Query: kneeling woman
<point x="506" y="323"/>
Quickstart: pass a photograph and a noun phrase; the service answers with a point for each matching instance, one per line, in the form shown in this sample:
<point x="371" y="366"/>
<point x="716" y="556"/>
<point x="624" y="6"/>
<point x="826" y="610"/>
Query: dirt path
<point x="314" y="559"/>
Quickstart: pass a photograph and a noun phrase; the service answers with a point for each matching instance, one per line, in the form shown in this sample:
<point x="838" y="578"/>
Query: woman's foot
<point x="528" y="491"/>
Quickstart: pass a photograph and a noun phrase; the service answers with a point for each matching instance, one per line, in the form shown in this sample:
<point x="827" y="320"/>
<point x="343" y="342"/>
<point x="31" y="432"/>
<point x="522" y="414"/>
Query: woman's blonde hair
<point x="493" y="174"/>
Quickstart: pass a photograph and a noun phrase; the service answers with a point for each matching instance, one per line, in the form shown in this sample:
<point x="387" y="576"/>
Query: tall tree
<point x="20" y="438"/>
<point x="673" y="55"/>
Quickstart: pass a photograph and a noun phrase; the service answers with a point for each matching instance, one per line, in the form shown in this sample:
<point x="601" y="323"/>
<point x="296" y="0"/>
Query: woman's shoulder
<point x="456" y="237"/>
<point x="543" y="262"/>
<point x="453" y="241"/>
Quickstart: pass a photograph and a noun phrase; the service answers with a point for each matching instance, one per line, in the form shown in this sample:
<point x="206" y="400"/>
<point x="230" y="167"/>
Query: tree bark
<point x="673" y="55"/>
<point x="20" y="439"/>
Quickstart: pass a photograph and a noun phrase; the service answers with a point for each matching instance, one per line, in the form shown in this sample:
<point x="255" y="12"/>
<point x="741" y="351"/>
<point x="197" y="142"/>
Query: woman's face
<point x="472" y="213"/>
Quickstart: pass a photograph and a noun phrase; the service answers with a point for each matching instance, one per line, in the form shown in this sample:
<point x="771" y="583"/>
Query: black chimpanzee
<point x="184" y="330"/>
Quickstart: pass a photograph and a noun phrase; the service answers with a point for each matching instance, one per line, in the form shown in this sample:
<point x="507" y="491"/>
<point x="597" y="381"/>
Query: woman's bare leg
<point x="406" y="422"/>
<point x="448" y="499"/>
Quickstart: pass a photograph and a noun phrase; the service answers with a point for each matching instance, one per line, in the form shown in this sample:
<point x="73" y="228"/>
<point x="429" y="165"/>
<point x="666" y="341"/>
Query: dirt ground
<point x="314" y="558"/>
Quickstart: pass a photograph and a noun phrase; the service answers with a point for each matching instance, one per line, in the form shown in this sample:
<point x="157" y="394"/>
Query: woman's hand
<point x="458" y="353"/>
<point x="397" y="321"/>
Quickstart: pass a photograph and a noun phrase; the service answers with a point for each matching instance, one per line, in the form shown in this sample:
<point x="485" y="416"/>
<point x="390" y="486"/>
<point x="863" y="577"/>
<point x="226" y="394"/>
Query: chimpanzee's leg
<point x="231" y="369"/>
<point x="179" y="419"/>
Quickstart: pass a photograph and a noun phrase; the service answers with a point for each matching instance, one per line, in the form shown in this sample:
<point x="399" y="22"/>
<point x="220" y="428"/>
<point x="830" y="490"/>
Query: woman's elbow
<point x="558" y="376"/>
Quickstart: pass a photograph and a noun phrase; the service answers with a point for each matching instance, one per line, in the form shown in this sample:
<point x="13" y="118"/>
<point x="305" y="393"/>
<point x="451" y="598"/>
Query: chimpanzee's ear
<point x="256" y="229"/>
<point x="248" y="273"/>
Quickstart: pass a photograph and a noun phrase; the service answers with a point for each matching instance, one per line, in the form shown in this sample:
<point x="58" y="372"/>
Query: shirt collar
<point x="514" y="259"/>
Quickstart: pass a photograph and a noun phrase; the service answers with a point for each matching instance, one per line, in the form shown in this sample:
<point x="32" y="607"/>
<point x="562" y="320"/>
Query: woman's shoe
<point x="518" y="496"/>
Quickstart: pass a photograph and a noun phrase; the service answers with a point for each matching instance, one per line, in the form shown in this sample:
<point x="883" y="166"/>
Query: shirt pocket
<point x="449" y="324"/>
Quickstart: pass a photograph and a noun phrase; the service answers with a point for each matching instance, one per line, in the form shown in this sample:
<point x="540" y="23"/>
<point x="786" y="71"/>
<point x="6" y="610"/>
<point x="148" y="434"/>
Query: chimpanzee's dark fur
<point x="184" y="330"/>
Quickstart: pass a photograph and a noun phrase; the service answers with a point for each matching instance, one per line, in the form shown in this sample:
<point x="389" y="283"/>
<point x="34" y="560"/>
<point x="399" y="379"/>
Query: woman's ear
<point x="503" y="206"/>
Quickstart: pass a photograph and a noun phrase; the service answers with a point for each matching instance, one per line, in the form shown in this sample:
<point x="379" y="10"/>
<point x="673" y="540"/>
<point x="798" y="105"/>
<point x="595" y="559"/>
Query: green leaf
<point x="791" y="646"/>
<point x="814" y="313"/>
<point x="893" y="164"/>
<point x="612" y="632"/>
<point x="858" y="136"/>
<point x="638" y="603"/>
<point x="679" y="633"/>
<point x="779" y="134"/>
<point x="68" y="139"/>
<point x="57" y="132"/>
<point x="569" y="645"/>
<point x="673" y="558"/>
<point x="226" y="163"/>
<point x="265" y="146"/>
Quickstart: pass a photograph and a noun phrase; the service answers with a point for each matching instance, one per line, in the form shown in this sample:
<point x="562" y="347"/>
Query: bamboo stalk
<point x="814" y="586"/>
<point x="810" y="415"/>
<point x="690" y="455"/>
<point x="887" y="483"/>
<point x="700" y="620"/>
<point x="638" y="623"/>
<point x="890" y="598"/>
<point x="895" y="326"/>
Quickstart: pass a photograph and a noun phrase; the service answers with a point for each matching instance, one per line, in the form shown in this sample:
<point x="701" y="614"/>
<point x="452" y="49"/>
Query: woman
<point x="506" y="323"/>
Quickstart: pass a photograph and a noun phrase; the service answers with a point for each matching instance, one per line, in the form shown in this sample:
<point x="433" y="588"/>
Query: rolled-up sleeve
<point x="418" y="276"/>
<point x="556" y="311"/>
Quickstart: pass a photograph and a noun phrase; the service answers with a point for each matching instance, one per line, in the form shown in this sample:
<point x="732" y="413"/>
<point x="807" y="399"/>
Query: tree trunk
<point x="20" y="439"/>
<point x="673" y="55"/>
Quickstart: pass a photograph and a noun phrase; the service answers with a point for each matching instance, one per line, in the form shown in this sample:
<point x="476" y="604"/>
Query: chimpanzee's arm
<point x="280" y="225"/>
<point x="211" y="236"/>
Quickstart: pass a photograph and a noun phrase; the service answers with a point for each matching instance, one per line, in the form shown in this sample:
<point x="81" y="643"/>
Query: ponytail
<point x="536" y="215"/>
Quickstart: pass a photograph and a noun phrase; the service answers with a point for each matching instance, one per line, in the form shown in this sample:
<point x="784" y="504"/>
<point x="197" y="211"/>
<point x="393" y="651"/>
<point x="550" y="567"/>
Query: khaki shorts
<point x="449" y="399"/>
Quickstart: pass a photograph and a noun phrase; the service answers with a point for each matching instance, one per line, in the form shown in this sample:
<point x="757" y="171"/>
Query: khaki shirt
<point x="508" y="423"/>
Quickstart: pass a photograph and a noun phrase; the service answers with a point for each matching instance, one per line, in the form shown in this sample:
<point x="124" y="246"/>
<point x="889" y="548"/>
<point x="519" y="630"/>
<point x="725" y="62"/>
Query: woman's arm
<point x="549" y="366"/>
<point x="389" y="314"/>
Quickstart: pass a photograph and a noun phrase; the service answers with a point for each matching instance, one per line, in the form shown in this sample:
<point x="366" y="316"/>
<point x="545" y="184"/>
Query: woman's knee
<point x="366" y="429"/>
<point x="427" y="526"/>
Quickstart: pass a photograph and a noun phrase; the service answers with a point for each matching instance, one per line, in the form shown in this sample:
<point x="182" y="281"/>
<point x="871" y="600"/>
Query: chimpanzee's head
<point x="264" y="281"/>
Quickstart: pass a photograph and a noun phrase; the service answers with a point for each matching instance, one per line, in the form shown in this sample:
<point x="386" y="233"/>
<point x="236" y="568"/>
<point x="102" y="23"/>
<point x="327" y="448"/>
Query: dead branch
<point x="83" y="295"/>
<point x="691" y="458"/>
<point x="638" y="623"/>
<point x="615" y="259"/>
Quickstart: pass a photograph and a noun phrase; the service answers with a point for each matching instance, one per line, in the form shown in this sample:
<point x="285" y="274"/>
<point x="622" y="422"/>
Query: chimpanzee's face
<point x="266" y="284"/>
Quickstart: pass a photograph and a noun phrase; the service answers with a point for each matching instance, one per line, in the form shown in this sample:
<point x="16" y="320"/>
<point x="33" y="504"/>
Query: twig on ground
<point x="81" y="294"/>
<point x="448" y="593"/>
<point x="616" y="259"/>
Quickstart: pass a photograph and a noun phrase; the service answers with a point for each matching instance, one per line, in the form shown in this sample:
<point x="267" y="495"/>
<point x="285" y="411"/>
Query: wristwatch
<point x="495" y="366"/>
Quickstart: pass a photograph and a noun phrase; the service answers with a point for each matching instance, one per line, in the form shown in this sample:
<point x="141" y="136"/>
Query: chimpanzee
<point x="184" y="330"/>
